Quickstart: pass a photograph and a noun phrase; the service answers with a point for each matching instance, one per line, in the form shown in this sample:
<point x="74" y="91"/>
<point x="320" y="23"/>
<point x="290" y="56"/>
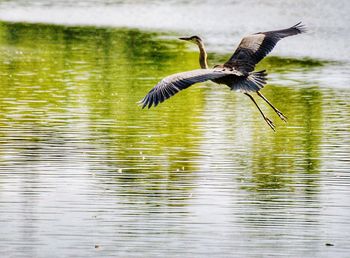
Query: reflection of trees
<point x="275" y="64"/>
<point x="281" y="159"/>
<point x="80" y="87"/>
<point x="282" y="180"/>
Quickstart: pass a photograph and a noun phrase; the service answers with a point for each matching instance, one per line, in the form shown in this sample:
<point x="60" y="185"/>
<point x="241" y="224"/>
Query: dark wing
<point x="255" y="47"/>
<point x="172" y="84"/>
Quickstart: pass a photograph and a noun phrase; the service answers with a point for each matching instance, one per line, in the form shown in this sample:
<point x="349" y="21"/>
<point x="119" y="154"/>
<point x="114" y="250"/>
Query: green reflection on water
<point x="78" y="86"/>
<point x="294" y="149"/>
<point x="73" y="91"/>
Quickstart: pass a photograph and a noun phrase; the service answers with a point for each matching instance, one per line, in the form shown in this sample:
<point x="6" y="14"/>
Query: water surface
<point x="84" y="172"/>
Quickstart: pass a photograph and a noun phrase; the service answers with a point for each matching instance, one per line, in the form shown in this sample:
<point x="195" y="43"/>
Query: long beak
<point x="184" y="38"/>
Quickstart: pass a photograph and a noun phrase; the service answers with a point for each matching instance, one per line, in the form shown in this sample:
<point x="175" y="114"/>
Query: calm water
<point x="84" y="172"/>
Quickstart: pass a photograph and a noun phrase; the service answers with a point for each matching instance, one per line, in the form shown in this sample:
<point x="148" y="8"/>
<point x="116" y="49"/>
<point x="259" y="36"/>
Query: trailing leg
<point x="267" y="120"/>
<point x="279" y="113"/>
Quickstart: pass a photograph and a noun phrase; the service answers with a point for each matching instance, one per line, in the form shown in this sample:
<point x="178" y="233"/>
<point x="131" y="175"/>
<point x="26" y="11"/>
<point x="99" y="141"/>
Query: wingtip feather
<point x="145" y="101"/>
<point x="300" y="27"/>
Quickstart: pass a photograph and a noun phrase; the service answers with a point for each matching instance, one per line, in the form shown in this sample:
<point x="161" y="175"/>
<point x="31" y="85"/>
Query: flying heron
<point x="237" y="73"/>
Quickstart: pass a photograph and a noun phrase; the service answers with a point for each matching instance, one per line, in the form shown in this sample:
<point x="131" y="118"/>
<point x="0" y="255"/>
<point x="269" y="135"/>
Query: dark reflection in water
<point x="85" y="172"/>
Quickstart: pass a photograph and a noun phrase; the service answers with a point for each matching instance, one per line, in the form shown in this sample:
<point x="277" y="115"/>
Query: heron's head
<point x="193" y="39"/>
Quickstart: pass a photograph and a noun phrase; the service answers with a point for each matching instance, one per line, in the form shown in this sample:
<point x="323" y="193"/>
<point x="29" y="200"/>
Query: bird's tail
<point x="254" y="82"/>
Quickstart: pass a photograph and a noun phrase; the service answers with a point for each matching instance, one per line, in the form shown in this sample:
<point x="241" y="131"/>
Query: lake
<point x="85" y="172"/>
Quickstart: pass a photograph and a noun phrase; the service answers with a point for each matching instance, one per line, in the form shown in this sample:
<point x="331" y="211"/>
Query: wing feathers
<point x="253" y="48"/>
<point x="294" y="30"/>
<point x="172" y="84"/>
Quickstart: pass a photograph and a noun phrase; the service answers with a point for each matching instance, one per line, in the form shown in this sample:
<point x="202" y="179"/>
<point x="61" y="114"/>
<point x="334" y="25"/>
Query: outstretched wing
<point x="255" y="47"/>
<point x="172" y="84"/>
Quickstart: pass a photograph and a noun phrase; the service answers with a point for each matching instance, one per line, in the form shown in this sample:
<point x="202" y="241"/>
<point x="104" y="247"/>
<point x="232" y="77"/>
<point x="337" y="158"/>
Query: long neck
<point x="202" y="56"/>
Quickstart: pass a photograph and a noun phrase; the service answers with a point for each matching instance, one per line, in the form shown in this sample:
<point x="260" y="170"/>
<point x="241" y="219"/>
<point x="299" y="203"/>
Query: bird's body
<point x="237" y="73"/>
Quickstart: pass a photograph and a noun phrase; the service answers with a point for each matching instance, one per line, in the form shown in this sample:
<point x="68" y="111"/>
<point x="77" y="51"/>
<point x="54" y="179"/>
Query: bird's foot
<point x="283" y="117"/>
<point x="270" y="123"/>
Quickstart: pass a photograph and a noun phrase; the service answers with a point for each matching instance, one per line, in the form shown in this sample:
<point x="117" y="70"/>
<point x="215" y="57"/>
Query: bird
<point x="237" y="73"/>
